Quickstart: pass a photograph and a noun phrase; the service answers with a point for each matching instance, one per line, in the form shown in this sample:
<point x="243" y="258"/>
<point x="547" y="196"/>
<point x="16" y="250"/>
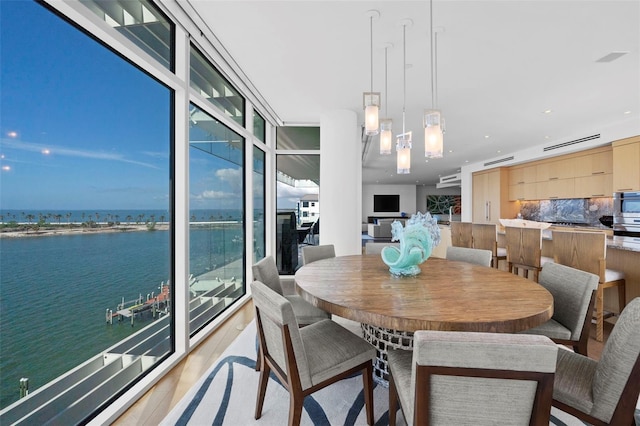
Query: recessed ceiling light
<point x="466" y="161"/>
<point x="546" y="137"/>
<point x="547" y="111"/>
<point x="498" y="151"/>
<point x="627" y="112"/>
<point x="450" y="150"/>
<point x="426" y="161"/>
<point x="486" y="136"/>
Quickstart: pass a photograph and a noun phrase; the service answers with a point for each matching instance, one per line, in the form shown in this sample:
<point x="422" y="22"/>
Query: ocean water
<point x="54" y="292"/>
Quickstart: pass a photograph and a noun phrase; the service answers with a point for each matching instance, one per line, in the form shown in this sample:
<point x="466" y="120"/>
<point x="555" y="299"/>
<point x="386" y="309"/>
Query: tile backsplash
<point x="579" y="210"/>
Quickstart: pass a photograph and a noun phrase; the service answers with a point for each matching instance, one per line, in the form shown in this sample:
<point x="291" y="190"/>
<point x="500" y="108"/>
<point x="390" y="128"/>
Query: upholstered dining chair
<point x="307" y="359"/>
<point x="372" y="247"/>
<point x="454" y="378"/>
<point x="313" y="253"/>
<point x="485" y="237"/>
<point x="524" y="250"/>
<point x="588" y="251"/>
<point x="574" y="295"/>
<point x="603" y="392"/>
<point x="470" y="255"/>
<point x="461" y="234"/>
<point x="266" y="271"/>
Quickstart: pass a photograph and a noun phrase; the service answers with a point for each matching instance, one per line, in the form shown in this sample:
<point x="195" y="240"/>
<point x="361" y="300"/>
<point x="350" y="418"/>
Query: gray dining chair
<point x="306" y="359"/>
<point x="266" y="271"/>
<point x="574" y="296"/>
<point x="454" y="378"/>
<point x="469" y="255"/>
<point x="372" y="247"/>
<point x="603" y="392"/>
<point x="313" y="253"/>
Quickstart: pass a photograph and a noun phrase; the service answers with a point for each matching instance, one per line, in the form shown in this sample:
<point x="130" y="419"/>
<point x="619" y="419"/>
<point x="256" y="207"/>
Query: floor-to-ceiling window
<point x="96" y="150"/>
<point x="216" y="207"/>
<point x="85" y="261"/>
<point x="297" y="186"/>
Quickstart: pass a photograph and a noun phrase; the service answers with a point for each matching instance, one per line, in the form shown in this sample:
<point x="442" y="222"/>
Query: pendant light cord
<point x="433" y="96"/>
<point x="404" y="73"/>
<point x="371" y="38"/>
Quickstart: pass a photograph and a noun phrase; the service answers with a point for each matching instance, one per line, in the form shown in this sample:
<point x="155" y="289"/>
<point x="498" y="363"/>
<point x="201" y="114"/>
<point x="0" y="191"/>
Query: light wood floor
<point x="165" y="395"/>
<point x="161" y="398"/>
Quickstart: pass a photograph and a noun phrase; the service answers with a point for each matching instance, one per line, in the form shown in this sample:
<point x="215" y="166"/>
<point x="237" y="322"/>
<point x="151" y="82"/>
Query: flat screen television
<point x="386" y="203"/>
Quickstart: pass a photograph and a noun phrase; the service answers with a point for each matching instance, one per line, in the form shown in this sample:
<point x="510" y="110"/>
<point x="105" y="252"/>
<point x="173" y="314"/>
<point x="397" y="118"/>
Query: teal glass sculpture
<point x="417" y="239"/>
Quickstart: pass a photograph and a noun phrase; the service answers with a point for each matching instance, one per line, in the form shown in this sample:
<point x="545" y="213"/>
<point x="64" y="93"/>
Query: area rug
<point x="226" y="394"/>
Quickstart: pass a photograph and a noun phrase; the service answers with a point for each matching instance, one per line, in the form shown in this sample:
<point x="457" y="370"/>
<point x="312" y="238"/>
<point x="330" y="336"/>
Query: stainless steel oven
<point x="626" y="214"/>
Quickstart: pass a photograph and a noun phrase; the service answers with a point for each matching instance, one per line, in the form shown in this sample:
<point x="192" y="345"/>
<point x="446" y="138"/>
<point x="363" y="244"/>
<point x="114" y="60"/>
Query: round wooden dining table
<point x="446" y="295"/>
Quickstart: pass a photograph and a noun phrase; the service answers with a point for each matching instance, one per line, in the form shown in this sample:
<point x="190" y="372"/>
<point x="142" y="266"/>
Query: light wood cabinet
<point x="521" y="175"/>
<point x="598" y="185"/>
<point x="598" y="163"/>
<point x="491" y="195"/>
<point x="626" y="165"/>
<point x="558" y="169"/>
<point x="556" y="188"/>
<point x="523" y="192"/>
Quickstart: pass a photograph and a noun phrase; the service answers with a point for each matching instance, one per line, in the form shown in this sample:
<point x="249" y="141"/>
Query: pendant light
<point x="433" y="120"/>
<point x="371" y="99"/>
<point x="386" y="124"/>
<point x="403" y="141"/>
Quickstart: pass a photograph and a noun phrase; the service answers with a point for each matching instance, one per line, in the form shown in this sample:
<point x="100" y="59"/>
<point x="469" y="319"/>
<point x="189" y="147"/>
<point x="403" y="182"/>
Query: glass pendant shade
<point x="433" y="138"/>
<point x="386" y="137"/>
<point x="371" y="110"/>
<point x="403" y="149"/>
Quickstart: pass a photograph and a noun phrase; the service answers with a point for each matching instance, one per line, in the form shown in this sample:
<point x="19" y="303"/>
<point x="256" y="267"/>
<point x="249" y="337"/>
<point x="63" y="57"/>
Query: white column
<point x="341" y="182"/>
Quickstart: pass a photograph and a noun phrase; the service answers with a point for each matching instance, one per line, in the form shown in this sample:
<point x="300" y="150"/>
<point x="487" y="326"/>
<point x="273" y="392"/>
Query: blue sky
<point x="80" y="127"/>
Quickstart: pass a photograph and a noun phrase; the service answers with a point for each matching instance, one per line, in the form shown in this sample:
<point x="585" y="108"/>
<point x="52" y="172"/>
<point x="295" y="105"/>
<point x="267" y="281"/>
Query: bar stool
<point x="587" y="251"/>
<point x="485" y="237"/>
<point x="524" y="250"/>
<point x="461" y="234"/>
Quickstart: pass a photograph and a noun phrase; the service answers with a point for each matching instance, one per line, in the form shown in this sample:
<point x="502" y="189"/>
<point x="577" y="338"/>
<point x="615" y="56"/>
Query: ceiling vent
<point x="502" y="160"/>
<point x="562" y="145"/>
<point x="449" y="181"/>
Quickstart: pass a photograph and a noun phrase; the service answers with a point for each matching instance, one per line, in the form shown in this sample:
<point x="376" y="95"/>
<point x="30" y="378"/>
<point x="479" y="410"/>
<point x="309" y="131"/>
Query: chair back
<point x="461" y="234"/>
<point x="581" y="250"/>
<point x="469" y="255"/>
<point x="573" y="296"/>
<point x="376" y="248"/>
<point x="485" y="237"/>
<point x="279" y="335"/>
<point x="616" y="382"/>
<point x="476" y="378"/>
<point x="524" y="246"/>
<point x="313" y="253"/>
<point x="266" y="271"/>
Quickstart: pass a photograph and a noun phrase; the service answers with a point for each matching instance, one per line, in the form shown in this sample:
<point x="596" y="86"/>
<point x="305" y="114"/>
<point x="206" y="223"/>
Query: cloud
<point x="232" y="177"/>
<point x="70" y="152"/>
<point x="215" y="195"/>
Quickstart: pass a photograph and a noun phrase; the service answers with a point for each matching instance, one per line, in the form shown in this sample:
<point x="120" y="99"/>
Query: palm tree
<point x="129" y="219"/>
<point x="58" y="217"/>
<point x="68" y="215"/>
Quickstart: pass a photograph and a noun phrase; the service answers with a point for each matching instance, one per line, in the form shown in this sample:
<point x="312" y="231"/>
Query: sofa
<point x="382" y="228"/>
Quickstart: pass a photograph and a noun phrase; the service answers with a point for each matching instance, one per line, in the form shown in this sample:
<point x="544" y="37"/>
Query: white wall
<point x="407" y="199"/>
<point x="341" y="182"/>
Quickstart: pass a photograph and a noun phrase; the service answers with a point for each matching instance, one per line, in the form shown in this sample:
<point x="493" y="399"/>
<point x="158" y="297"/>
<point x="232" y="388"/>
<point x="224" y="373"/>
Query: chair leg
<point x="622" y="298"/>
<point x="600" y="313"/>
<point x="367" y="381"/>
<point x="262" y="389"/>
<point x="258" y="358"/>
<point x="295" y="407"/>
<point x="393" y="401"/>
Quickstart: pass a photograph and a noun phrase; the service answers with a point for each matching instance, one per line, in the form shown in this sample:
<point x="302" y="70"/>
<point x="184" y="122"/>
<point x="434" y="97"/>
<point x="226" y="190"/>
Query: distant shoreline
<point x="49" y="230"/>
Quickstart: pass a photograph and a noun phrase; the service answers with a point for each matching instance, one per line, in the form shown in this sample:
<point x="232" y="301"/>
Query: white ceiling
<point x="501" y="64"/>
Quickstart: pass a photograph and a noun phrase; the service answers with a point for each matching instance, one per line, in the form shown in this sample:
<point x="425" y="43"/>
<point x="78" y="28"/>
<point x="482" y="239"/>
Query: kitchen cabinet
<point x="554" y="170"/>
<point x="598" y="185"/>
<point x="523" y="192"/>
<point x="491" y="196"/>
<point x="556" y="188"/>
<point x="626" y="165"/>
<point x="597" y="163"/>
<point x="522" y="175"/>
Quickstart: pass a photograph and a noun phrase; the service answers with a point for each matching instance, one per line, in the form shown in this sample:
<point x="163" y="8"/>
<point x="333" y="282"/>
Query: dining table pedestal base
<point x="385" y="340"/>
